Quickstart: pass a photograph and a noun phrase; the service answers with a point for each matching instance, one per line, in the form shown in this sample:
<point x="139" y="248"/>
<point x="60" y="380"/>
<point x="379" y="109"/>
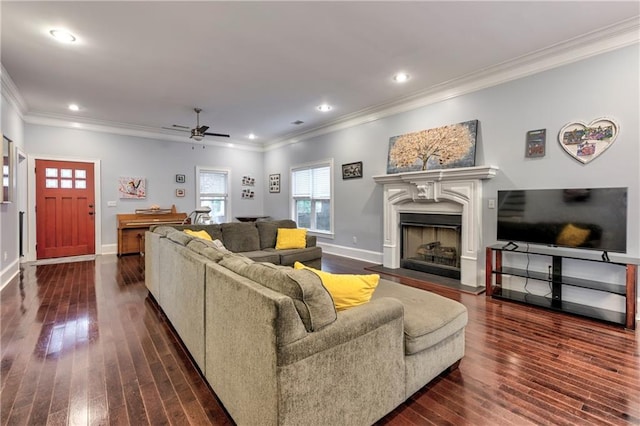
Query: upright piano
<point x="131" y="227"/>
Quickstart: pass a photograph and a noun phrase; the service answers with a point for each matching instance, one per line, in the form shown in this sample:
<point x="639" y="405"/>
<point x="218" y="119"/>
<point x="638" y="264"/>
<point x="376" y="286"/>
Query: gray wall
<point x="605" y="85"/>
<point x="157" y="161"/>
<point x="13" y="128"/>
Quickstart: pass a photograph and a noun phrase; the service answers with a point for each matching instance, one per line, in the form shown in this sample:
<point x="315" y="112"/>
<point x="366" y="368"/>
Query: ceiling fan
<point x="199" y="132"/>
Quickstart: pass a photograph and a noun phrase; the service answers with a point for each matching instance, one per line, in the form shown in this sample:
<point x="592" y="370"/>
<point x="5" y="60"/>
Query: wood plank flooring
<point x="80" y="343"/>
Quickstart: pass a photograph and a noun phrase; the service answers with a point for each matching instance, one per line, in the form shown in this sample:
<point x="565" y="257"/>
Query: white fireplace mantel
<point x="449" y="191"/>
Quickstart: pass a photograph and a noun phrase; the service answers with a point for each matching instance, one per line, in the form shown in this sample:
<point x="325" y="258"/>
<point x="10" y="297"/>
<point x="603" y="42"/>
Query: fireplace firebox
<point x="431" y="243"/>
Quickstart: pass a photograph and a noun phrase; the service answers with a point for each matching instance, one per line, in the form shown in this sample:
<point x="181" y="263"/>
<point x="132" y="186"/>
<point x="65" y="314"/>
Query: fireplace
<point x="445" y="192"/>
<point x="431" y="243"/>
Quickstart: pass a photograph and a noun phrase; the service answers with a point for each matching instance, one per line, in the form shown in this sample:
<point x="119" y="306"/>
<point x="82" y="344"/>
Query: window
<point x="311" y="193"/>
<point x="213" y="192"/>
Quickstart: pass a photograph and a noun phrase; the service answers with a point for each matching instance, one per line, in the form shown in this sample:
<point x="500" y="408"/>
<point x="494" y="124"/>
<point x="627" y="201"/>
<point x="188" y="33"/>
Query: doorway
<point x="65" y="208"/>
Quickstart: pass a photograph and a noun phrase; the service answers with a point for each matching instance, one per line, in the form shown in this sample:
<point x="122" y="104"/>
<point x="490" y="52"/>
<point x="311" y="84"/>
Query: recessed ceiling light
<point x="401" y="77"/>
<point x="252" y="136"/>
<point x="63" y="36"/>
<point x="74" y="107"/>
<point x="324" y="108"/>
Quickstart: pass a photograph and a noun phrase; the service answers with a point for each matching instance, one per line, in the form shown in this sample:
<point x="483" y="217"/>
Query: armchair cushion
<point x="240" y="237"/>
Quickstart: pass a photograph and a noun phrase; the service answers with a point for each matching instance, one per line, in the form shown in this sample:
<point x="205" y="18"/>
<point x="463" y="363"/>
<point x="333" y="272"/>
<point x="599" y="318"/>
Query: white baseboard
<point x="352" y="253"/>
<point x="109" y="249"/>
<point x="9" y="273"/>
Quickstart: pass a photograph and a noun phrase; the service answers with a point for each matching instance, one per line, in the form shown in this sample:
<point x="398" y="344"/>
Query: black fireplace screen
<point x="431" y="243"/>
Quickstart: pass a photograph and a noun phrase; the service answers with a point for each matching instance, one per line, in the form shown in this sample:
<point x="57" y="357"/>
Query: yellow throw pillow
<point x="572" y="236"/>
<point x="346" y="290"/>
<point x="199" y="234"/>
<point x="294" y="238"/>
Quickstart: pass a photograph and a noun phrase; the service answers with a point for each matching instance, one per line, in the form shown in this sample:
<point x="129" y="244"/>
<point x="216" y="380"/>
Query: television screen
<point x="591" y="218"/>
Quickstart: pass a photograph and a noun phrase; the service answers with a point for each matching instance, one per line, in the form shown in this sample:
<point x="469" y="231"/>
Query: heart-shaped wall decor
<point x="587" y="141"/>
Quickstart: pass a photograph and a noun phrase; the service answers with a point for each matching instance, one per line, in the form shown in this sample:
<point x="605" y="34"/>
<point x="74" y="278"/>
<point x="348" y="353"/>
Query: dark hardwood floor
<point x="80" y="343"/>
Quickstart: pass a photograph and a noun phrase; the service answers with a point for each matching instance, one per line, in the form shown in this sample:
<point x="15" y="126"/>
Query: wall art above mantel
<point x="587" y="141"/>
<point x="449" y="146"/>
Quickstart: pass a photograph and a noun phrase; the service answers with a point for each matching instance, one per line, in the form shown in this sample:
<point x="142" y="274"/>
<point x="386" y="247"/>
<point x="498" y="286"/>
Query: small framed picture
<point x="352" y="170"/>
<point x="180" y="192"/>
<point x="180" y="179"/>
<point x="274" y="183"/>
<point x="535" y="145"/>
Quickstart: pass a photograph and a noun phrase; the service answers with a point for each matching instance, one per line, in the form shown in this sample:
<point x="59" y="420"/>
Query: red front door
<point x="65" y="220"/>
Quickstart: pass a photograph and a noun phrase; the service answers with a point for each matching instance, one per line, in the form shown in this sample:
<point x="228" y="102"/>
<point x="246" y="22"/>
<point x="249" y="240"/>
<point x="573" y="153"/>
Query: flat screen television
<point x="586" y="218"/>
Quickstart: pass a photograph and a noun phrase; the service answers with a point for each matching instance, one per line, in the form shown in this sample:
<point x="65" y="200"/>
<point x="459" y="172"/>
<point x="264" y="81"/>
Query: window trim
<point x="227" y="171"/>
<point x="311" y="165"/>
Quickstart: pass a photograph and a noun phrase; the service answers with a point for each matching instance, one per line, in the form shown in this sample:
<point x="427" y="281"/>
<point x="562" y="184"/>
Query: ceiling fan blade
<point x="222" y="135"/>
<point x="177" y="128"/>
<point x="203" y="129"/>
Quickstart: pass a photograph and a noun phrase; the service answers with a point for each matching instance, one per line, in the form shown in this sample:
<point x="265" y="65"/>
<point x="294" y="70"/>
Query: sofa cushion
<point x="262" y="256"/>
<point x="199" y="234"/>
<point x="291" y="238"/>
<point x="268" y="231"/>
<point x="240" y="236"/>
<point x="179" y="237"/>
<point x="428" y="317"/>
<point x="162" y="229"/>
<point x="312" y="301"/>
<point x="208" y="249"/>
<point x="347" y="290"/>
<point x="289" y="257"/>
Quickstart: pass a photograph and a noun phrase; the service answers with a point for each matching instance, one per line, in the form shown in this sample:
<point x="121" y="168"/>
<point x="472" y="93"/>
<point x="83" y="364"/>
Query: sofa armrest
<point x="311" y="240"/>
<point x="350" y="325"/>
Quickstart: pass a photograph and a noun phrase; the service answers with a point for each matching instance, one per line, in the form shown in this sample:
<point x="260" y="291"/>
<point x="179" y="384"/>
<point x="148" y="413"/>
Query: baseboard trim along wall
<point x="352" y="253"/>
<point x="9" y="273"/>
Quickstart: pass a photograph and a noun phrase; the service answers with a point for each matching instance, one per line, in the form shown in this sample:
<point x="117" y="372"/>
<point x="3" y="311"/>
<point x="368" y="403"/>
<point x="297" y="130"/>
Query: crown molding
<point x="126" y="129"/>
<point x="12" y="94"/>
<point x="622" y="34"/>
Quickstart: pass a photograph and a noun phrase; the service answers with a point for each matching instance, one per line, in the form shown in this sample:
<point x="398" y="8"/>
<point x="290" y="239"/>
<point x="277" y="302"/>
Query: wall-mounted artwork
<point x="132" y="187"/>
<point x="449" y="146"/>
<point x="535" y="143"/>
<point x="180" y="192"/>
<point x="352" y="170"/>
<point x="274" y="183"/>
<point x="248" y="194"/>
<point x="248" y="181"/>
<point x="586" y="141"/>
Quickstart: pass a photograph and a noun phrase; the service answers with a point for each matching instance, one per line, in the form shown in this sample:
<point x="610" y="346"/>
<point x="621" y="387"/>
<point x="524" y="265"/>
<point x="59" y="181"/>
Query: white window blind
<point x="213" y="183"/>
<point x="311" y="205"/>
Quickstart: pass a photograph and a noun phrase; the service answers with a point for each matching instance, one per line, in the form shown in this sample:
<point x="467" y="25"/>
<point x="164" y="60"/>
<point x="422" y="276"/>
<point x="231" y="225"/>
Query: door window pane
<point x="48" y="172"/>
<point x="66" y="183"/>
<point x="81" y="174"/>
<point x="81" y="184"/>
<point x="51" y="183"/>
<point x="66" y="173"/>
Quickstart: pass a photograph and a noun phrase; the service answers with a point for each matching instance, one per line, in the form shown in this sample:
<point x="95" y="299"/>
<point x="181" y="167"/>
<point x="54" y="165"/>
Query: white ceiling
<point x="259" y="66"/>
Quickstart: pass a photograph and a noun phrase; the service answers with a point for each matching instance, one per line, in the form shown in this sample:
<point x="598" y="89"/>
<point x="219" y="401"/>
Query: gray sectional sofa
<point x="257" y="241"/>
<point x="272" y="347"/>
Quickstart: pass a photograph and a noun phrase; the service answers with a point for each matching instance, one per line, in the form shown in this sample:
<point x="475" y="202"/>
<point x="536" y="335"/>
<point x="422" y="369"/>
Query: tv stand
<point x="558" y="281"/>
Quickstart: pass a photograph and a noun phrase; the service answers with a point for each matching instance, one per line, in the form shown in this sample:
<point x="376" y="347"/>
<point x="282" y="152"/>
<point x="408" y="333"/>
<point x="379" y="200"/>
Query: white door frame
<point x="31" y="187"/>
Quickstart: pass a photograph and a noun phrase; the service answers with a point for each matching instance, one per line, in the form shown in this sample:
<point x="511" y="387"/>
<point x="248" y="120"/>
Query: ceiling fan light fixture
<point x="197" y="137"/>
<point x="324" y="108"/>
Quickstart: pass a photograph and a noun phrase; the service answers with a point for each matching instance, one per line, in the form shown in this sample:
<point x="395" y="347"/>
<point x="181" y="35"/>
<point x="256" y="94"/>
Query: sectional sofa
<point x="271" y="345"/>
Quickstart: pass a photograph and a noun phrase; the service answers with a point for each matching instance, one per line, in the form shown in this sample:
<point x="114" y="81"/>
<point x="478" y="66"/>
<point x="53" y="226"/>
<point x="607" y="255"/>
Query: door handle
<point x="91" y="205"/>
<point x="90" y="213"/>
